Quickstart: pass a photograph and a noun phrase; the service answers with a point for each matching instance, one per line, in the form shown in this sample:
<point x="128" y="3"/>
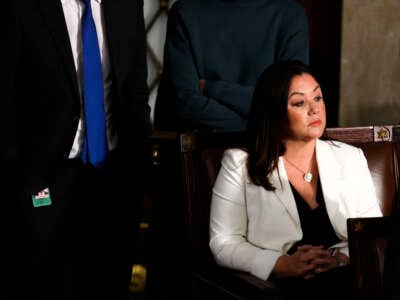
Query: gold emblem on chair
<point x="358" y="226"/>
<point x="383" y="133"/>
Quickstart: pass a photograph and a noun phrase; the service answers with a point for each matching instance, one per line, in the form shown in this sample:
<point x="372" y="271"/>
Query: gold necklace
<point x="307" y="176"/>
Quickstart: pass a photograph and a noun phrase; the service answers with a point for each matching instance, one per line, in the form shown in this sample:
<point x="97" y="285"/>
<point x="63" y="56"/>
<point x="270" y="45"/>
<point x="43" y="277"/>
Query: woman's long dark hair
<point x="268" y="120"/>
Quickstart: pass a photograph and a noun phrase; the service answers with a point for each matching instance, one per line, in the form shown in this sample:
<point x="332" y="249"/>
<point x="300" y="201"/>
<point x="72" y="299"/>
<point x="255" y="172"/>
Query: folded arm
<point x="181" y="68"/>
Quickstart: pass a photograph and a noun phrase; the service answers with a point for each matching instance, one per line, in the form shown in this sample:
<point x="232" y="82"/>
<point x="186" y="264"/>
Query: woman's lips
<point x="316" y="123"/>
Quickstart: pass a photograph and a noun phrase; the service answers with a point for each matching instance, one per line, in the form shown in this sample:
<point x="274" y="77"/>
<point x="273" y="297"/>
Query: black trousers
<point x="82" y="245"/>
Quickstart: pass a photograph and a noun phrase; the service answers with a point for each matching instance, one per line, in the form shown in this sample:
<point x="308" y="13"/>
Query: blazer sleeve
<point x="228" y="221"/>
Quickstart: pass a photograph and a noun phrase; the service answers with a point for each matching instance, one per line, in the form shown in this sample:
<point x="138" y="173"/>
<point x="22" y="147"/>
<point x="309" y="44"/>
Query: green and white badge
<point x="42" y="198"/>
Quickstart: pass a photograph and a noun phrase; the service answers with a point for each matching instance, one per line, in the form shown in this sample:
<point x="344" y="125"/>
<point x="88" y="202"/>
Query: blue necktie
<point x="95" y="144"/>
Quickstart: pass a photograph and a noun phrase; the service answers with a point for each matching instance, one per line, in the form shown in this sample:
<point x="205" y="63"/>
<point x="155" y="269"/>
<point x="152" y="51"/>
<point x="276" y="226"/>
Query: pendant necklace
<point x="307" y="176"/>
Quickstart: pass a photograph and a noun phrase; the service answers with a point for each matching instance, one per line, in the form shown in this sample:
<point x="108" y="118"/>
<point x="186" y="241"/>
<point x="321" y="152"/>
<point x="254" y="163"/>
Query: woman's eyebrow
<point x="316" y="88"/>
<point x="302" y="94"/>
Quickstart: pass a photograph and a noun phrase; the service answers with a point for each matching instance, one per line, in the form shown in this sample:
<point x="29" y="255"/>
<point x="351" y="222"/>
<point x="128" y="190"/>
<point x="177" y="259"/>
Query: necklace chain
<point x="307" y="176"/>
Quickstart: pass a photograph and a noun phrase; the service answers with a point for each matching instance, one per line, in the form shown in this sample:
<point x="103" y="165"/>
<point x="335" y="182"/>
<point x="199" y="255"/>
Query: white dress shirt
<point x="73" y="11"/>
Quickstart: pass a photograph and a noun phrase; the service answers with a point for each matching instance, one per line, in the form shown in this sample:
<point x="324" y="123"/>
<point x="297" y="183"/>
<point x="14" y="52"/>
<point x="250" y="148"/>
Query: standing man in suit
<point x="74" y="135"/>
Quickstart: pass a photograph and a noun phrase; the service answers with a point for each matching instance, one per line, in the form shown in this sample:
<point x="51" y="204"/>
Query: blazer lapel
<point x="284" y="192"/>
<point x="54" y="18"/>
<point x="330" y="171"/>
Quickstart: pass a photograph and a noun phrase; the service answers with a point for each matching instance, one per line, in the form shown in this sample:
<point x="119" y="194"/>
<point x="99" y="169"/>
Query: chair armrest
<point x="217" y="281"/>
<point x="265" y="285"/>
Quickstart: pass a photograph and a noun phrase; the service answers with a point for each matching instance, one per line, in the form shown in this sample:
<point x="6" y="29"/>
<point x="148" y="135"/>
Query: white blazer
<point x="251" y="227"/>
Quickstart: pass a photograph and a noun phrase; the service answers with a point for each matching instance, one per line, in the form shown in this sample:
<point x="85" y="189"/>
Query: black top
<point x="315" y="224"/>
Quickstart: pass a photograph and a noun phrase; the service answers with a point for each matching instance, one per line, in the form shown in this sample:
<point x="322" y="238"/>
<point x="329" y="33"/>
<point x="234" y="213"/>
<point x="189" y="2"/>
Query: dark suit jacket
<point x="39" y="90"/>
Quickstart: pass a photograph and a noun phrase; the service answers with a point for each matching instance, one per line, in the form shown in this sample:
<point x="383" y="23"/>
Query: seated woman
<point x="279" y="207"/>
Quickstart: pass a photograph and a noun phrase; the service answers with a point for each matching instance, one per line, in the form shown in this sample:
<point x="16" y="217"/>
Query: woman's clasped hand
<point x="306" y="262"/>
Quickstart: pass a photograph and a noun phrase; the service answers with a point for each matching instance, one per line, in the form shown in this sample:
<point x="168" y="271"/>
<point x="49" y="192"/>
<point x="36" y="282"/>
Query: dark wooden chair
<point x="201" y="154"/>
<point x="368" y="241"/>
<point x="368" y="237"/>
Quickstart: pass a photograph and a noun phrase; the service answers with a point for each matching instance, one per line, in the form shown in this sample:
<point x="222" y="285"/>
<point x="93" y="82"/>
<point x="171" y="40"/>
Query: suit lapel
<point x="120" y="25"/>
<point x="112" y="11"/>
<point x="284" y="192"/>
<point x="54" y="18"/>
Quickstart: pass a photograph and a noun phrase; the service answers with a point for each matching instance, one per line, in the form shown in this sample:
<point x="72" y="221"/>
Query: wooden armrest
<point x="267" y="286"/>
<point x="218" y="281"/>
